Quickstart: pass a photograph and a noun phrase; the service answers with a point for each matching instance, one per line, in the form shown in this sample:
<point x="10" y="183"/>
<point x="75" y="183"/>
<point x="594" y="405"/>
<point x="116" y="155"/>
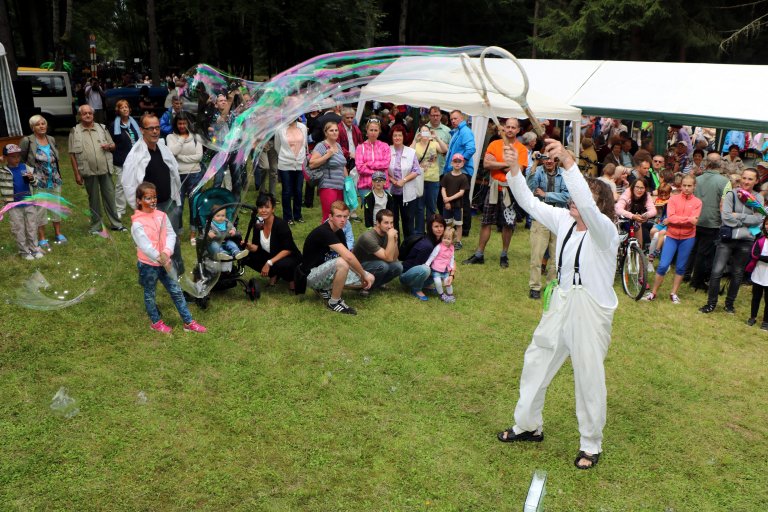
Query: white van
<point x="52" y="94"/>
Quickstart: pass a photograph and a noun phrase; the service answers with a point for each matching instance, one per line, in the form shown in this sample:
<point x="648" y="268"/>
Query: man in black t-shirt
<point x="327" y="261"/>
<point x="151" y="160"/>
<point x="377" y="251"/>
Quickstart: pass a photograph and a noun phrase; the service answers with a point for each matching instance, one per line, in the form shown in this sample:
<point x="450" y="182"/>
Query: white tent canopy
<point x="425" y="81"/>
<point x="443" y="81"/>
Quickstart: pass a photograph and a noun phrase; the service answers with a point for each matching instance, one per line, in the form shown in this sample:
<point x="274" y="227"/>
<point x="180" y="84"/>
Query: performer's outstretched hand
<point x="556" y="150"/>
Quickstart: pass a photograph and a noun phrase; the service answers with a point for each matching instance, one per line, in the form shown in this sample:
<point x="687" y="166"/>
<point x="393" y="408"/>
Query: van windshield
<point x="46" y="85"/>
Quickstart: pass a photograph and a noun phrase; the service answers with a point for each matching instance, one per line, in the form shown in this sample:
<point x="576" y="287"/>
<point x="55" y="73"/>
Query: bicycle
<point x="631" y="264"/>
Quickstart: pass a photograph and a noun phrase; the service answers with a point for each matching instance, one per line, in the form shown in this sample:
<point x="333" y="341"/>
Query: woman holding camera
<point x="273" y="253"/>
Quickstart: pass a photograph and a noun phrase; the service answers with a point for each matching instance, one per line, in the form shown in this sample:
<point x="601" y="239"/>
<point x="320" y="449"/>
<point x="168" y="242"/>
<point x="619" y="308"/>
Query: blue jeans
<point x="174" y="215"/>
<point x="292" y="183"/>
<point x="382" y="271"/>
<point x="227" y="246"/>
<point x="188" y="184"/>
<point x="683" y="249"/>
<point x="431" y="191"/>
<point x="148" y="277"/>
<point x="416" y="277"/>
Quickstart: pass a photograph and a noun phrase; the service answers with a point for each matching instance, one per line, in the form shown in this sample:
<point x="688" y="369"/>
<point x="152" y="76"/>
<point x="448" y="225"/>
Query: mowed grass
<point x="284" y="405"/>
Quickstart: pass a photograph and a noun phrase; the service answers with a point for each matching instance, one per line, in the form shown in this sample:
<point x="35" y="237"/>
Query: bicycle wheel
<point x="634" y="272"/>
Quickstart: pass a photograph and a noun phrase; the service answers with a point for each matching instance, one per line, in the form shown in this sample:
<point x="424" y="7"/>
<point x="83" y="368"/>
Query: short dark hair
<point x="734" y="146"/>
<point x="383" y="213"/>
<point x="265" y="198"/>
<point x="699" y="152"/>
<point x="146" y="116"/>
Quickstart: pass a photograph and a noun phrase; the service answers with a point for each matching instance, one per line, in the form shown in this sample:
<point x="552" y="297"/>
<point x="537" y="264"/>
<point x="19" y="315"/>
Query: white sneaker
<point x="674" y="298"/>
<point x="222" y="256"/>
<point x="27" y="257"/>
<point x="37" y="255"/>
<point x="650" y="268"/>
<point x="242" y="254"/>
<point x="650" y="296"/>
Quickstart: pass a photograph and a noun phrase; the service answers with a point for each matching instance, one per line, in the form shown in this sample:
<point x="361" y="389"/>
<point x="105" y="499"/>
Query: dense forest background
<point x="259" y="38"/>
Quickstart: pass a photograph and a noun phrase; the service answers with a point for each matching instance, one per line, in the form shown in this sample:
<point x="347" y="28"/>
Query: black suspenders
<point x="577" y="259"/>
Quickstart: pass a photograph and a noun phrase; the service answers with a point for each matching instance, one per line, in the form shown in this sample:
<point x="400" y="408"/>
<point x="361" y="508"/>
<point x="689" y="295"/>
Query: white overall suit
<point x="579" y="320"/>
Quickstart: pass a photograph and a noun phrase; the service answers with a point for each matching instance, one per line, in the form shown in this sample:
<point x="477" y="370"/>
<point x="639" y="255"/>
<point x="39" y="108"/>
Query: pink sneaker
<point x="194" y="327"/>
<point x="160" y="326"/>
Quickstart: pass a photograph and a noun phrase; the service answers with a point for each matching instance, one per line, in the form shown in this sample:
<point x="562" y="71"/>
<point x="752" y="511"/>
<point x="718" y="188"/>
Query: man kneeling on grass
<point x="327" y="261"/>
<point x="377" y="251"/>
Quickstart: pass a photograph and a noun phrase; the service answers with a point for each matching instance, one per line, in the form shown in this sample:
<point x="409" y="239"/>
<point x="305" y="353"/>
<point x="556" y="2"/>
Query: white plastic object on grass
<point x="63" y="404"/>
<point x="534" y="502"/>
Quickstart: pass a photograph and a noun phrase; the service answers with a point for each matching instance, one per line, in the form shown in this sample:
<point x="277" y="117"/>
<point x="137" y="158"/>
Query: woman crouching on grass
<point x="578" y="318"/>
<point x="154" y="247"/>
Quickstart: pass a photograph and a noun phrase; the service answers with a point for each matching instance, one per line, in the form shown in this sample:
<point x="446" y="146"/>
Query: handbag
<point x="726" y="232"/>
<point x="350" y="192"/>
<point x="312" y="176"/>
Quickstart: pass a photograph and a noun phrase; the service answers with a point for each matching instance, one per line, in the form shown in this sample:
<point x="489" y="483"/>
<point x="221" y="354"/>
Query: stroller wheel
<point x="202" y="302"/>
<point x="252" y="289"/>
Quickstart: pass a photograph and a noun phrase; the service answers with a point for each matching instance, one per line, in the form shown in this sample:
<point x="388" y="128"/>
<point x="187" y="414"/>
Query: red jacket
<point x="681" y="210"/>
<point x="357" y="138"/>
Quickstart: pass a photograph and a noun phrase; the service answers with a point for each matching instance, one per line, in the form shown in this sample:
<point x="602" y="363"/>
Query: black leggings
<point x="759" y="292"/>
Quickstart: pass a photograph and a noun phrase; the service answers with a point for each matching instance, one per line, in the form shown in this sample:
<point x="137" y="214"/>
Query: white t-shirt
<point x="379" y="203"/>
<point x="264" y="241"/>
<point x="760" y="274"/>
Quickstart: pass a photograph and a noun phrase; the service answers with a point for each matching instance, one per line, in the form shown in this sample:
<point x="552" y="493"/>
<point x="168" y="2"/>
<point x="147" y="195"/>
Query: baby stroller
<point x="227" y="274"/>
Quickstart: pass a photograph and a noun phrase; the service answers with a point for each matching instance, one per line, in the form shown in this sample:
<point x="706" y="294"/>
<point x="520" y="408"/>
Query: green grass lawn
<point x="284" y="405"/>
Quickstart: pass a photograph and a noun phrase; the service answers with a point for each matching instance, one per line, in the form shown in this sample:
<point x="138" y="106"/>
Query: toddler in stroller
<point x="221" y="246"/>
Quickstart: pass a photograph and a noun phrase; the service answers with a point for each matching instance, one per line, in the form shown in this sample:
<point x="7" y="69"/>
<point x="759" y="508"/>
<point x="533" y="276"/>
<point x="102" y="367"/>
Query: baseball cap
<point x="11" y="148"/>
<point x="457" y="156"/>
<point x="379" y="175"/>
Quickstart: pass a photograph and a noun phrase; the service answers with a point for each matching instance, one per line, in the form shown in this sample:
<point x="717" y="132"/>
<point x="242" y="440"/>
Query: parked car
<point x="133" y="95"/>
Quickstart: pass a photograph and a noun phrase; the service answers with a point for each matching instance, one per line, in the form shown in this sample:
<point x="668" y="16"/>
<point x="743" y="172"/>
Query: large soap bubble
<point x="259" y="109"/>
<point x="70" y="272"/>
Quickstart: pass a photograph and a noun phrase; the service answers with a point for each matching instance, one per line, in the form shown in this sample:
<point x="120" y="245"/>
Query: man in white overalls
<point x="578" y="314"/>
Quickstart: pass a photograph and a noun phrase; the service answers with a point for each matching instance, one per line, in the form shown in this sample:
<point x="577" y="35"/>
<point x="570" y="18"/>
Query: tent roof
<point x="425" y="81"/>
<point x="716" y="95"/>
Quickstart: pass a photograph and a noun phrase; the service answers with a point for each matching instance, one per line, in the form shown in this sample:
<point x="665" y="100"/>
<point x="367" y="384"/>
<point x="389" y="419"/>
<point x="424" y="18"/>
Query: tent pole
<point x="660" y="129"/>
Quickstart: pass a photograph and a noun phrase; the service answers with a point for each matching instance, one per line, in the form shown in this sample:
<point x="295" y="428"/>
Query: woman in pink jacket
<point x="683" y="212"/>
<point x="370" y="156"/>
<point x="636" y="204"/>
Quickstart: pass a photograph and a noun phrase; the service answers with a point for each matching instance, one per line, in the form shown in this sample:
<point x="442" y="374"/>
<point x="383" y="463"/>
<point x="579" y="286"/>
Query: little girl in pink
<point x="443" y="266"/>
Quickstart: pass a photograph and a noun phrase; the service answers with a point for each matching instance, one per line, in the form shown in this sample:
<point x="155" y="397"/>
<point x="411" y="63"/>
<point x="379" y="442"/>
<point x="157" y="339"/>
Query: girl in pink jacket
<point x="443" y="266"/>
<point x="155" y="240"/>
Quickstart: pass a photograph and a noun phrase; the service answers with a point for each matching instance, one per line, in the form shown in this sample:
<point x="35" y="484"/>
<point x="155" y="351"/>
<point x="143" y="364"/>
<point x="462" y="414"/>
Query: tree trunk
<point x="403" y="19"/>
<point x="535" y="33"/>
<point x="6" y="39"/>
<point x="154" y="61"/>
<point x="62" y="42"/>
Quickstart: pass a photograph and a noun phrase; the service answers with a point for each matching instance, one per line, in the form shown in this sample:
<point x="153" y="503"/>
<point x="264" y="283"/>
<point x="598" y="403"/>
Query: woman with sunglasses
<point x="578" y="315"/>
<point x="371" y="156"/>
